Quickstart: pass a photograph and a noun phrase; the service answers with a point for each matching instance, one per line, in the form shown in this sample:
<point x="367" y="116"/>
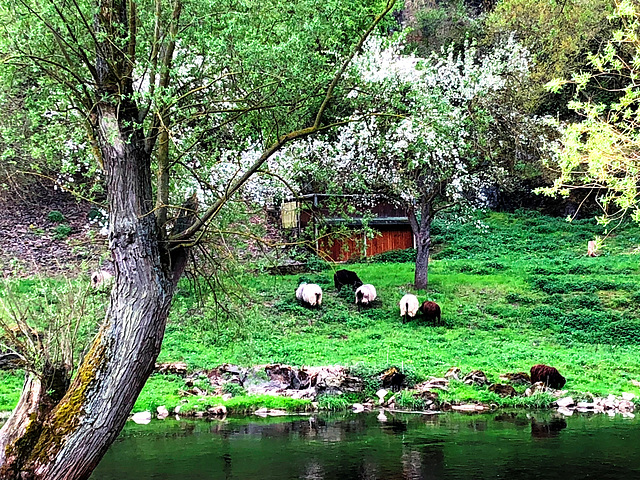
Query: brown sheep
<point x="547" y="375"/>
<point x="431" y="312"/>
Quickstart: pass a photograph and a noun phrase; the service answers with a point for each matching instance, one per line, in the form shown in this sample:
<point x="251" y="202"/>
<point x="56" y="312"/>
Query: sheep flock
<point x="365" y="295"/>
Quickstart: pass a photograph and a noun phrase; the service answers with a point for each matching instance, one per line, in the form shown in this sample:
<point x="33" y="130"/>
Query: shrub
<point x="61" y="232"/>
<point x="55" y="216"/>
<point x="587" y="301"/>
<point x="234" y="389"/>
<point x="622" y="332"/>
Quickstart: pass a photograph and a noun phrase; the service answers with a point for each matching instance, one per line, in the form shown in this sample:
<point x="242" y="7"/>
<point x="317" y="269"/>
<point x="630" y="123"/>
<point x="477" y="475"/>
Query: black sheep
<point x="346" y="277"/>
<point x="547" y="375"/>
<point x="431" y="312"/>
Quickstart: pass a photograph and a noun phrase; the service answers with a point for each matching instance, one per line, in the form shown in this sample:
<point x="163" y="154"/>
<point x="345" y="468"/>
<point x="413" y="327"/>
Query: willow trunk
<point x="69" y="441"/>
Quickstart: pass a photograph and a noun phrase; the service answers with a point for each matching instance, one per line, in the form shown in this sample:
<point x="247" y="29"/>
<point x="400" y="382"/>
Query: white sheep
<point x="309" y="294"/>
<point x="101" y="279"/>
<point x="365" y="294"/>
<point x="409" y="305"/>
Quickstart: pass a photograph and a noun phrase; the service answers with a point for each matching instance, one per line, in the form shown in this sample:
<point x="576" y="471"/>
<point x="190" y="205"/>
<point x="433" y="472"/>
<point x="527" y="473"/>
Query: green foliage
<point x="10" y="388"/>
<point x="61" y="232"/>
<point x="557" y="34"/>
<point x="55" y="216"/>
<point x="234" y="389"/>
<point x="600" y="150"/>
<point x="499" y="321"/>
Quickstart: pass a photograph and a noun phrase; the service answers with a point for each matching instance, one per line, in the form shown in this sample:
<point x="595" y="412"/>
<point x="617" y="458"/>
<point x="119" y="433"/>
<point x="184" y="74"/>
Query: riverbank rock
<point x="518" y="378"/>
<point x="433" y="384"/>
<point x="610" y="405"/>
<point x="477" y="377"/>
<point x="381" y="394"/>
<point x="469" y="407"/>
<point x="503" y="390"/>
<point x="268" y="412"/>
<point x="537" y="387"/>
<point x="218" y="410"/>
<point x="141" y="418"/>
<point x="175" y="368"/>
<point x="564" y="402"/>
<point x="162" y="412"/>
<point x="453" y="372"/>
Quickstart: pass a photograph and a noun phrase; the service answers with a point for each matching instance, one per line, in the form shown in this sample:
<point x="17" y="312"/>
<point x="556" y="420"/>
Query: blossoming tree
<point x="425" y="135"/>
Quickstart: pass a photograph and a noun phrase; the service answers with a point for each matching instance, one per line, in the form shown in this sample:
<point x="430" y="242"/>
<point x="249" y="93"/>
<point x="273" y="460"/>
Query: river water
<point x="343" y="447"/>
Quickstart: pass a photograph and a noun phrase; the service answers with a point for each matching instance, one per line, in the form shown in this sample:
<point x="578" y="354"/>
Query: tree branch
<point x="278" y="144"/>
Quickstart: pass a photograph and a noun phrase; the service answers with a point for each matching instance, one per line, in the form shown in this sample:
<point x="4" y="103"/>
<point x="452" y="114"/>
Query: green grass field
<point x="515" y="290"/>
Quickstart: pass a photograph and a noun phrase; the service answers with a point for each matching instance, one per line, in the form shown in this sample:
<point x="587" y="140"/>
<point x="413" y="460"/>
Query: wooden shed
<point x="392" y="230"/>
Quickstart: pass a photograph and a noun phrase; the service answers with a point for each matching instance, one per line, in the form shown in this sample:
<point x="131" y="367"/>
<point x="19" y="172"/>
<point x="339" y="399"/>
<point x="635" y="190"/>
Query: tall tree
<point x="601" y="152"/>
<point x="164" y="89"/>
<point x="428" y="141"/>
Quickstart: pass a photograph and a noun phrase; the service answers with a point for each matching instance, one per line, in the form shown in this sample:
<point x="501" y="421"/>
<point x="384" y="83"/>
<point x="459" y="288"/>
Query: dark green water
<point x="450" y="446"/>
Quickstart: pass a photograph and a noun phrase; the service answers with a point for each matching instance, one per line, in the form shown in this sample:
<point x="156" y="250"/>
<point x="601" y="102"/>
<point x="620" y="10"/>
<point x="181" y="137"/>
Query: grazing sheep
<point x="309" y="294"/>
<point x="346" y="277"/>
<point x="431" y="312"/>
<point x="101" y="278"/>
<point x="409" y="306"/>
<point x="547" y="375"/>
<point x="365" y="294"/>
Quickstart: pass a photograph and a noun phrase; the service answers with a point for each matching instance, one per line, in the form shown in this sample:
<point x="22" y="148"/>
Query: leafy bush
<point x="55" y="216"/>
<point x="587" y="301"/>
<point x="61" y="232"/>
<point x="234" y="389"/>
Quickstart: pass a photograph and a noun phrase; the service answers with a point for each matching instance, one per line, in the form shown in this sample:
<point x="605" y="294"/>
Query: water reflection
<point x="408" y="447"/>
<point x="547" y="428"/>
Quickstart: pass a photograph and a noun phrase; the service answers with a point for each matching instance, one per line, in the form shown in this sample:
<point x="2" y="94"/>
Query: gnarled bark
<point x="68" y="442"/>
<point x="422" y="233"/>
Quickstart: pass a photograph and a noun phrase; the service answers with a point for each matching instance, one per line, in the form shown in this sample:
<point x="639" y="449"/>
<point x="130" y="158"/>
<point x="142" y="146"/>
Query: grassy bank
<point x="515" y="290"/>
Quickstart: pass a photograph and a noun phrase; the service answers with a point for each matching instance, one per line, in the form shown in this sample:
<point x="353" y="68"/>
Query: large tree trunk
<point x="422" y="234"/>
<point x="70" y="441"/>
<point x="423" y="243"/>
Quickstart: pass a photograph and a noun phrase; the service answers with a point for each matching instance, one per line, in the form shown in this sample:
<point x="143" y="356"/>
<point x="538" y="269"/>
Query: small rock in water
<point x="217" y="410"/>
<point x="381" y="416"/>
<point x="357" y="408"/>
<point x="176" y="410"/>
<point x="162" y="412"/>
<point x="564" y="402"/>
<point x="141" y="418"/>
<point x="469" y="407"/>
<point x="626" y="406"/>
<point x="381" y="394"/>
<point x="276" y="413"/>
<point x="261" y="412"/>
<point x="586" y="405"/>
<point x="567" y="412"/>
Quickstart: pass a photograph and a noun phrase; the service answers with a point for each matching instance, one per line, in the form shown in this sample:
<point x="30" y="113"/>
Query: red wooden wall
<point x="342" y="249"/>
